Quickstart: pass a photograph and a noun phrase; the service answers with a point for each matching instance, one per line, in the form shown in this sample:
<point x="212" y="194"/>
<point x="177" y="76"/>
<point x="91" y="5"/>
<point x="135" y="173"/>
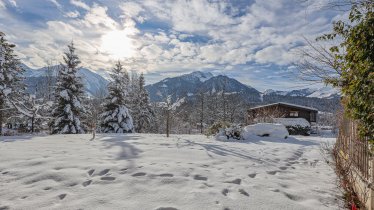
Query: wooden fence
<point x="354" y="148"/>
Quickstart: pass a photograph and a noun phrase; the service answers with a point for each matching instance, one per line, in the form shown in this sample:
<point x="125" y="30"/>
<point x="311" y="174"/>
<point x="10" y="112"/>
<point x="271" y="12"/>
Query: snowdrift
<point x="264" y="129"/>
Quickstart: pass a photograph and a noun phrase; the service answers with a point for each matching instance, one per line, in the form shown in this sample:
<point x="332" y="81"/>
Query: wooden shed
<point x="283" y="110"/>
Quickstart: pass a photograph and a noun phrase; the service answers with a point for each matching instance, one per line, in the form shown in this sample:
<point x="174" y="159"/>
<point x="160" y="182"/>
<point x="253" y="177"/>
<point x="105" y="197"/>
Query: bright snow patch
<point x="138" y="171"/>
<point x="264" y="129"/>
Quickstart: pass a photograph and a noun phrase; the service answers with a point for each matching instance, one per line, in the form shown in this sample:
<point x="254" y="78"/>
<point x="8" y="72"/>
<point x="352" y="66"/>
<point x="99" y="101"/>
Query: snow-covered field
<point x="141" y="171"/>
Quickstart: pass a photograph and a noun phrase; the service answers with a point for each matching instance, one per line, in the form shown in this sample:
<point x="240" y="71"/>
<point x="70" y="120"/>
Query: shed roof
<point x="285" y="104"/>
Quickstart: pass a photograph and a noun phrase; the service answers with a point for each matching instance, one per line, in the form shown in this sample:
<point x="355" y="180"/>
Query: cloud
<point x="72" y="14"/>
<point x="224" y="36"/>
<point x="80" y="4"/>
<point x="2" y="4"/>
<point x="58" y="5"/>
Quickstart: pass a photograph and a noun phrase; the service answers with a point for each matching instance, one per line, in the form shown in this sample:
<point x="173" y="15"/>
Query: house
<point x="282" y="110"/>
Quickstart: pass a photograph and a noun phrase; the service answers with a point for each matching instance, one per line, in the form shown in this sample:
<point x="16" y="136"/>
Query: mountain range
<point x="187" y="86"/>
<point x="92" y="81"/>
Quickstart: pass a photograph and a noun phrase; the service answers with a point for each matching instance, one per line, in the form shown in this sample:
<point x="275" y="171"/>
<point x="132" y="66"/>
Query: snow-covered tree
<point x="12" y="88"/>
<point x="116" y="117"/>
<point x="68" y="109"/>
<point x="141" y="111"/>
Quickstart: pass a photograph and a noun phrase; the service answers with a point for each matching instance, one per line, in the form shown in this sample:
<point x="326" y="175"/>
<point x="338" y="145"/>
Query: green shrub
<point x="299" y="130"/>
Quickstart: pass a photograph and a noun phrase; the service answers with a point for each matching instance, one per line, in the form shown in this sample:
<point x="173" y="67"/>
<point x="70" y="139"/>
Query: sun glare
<point x="117" y="44"/>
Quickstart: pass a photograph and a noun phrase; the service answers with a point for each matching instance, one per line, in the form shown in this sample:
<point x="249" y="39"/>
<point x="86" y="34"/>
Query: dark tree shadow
<point x="128" y="151"/>
<point x="261" y="140"/>
<point x="16" y="138"/>
<point x="221" y="150"/>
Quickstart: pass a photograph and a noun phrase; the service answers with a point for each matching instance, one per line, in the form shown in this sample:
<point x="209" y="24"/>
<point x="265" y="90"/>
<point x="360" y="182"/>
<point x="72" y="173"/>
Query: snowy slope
<point x="140" y="171"/>
<point x="326" y="92"/>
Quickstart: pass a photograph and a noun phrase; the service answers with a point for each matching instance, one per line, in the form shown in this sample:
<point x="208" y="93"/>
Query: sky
<point x="257" y="42"/>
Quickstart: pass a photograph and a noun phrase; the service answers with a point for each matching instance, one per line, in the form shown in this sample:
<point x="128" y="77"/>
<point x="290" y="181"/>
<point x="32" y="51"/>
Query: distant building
<point x="281" y="110"/>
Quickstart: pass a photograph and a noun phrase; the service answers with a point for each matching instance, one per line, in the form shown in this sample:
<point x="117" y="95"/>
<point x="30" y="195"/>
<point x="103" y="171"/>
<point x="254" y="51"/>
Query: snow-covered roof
<point x="292" y="121"/>
<point x="285" y="104"/>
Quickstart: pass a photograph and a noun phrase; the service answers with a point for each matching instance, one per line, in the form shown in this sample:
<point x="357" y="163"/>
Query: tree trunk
<point x="167" y="123"/>
<point x="202" y="114"/>
<point x="32" y="124"/>
<point x="1" y="115"/>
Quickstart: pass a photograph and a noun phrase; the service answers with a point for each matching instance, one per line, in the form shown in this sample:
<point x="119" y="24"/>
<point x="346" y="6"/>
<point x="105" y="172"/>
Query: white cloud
<point x="80" y="4"/>
<point x="2" y="4"/>
<point x="192" y="35"/>
<point x="57" y="4"/>
<point x="72" y="14"/>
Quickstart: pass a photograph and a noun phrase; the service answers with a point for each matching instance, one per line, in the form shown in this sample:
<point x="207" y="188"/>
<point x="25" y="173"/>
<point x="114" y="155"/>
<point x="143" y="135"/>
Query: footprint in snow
<point x="90" y="172"/>
<point x="139" y="174"/>
<point x="235" y="181"/>
<point x="62" y="196"/>
<point x="108" y="178"/>
<point x="103" y="172"/>
<point x="201" y="178"/>
<point x="166" y="208"/>
<point x="243" y="192"/>
<point x="166" y="175"/>
<point x="86" y="183"/>
<point x="252" y="175"/>
<point x="283" y="168"/>
<point x="123" y="171"/>
<point x="271" y="172"/>
<point x="225" y="192"/>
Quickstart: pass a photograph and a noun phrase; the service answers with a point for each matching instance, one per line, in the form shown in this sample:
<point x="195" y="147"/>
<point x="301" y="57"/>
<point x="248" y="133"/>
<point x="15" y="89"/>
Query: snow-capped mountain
<point x="188" y="85"/>
<point x="324" y="92"/>
<point x="92" y="81"/>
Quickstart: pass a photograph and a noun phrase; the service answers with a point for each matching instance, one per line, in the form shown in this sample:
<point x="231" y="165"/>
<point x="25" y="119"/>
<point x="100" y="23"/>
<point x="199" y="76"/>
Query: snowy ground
<point x="152" y="172"/>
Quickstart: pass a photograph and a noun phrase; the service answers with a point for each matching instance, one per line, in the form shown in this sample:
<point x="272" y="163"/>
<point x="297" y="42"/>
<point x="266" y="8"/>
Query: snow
<point x="64" y="94"/>
<point x="325" y="92"/>
<point x="140" y="171"/>
<point x="262" y="129"/>
<point x="292" y="122"/>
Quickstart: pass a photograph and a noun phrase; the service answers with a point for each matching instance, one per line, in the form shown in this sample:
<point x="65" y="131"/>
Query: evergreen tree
<point x="12" y="95"/>
<point x="116" y="117"/>
<point x="355" y="57"/>
<point x="142" y="111"/>
<point x="69" y="93"/>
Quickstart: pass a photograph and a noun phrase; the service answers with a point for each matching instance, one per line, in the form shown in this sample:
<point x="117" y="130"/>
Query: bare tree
<point x="95" y="109"/>
<point x="265" y="115"/>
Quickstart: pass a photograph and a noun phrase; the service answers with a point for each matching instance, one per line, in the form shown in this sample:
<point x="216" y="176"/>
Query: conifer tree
<point x="69" y="93"/>
<point x="116" y="117"/>
<point x="142" y="111"/>
<point x="12" y="95"/>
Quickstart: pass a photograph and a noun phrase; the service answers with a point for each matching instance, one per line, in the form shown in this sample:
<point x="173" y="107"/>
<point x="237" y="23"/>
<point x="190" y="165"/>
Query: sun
<point x="117" y="44"/>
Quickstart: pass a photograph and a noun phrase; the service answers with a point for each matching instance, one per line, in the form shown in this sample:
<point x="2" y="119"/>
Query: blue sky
<point x="256" y="42"/>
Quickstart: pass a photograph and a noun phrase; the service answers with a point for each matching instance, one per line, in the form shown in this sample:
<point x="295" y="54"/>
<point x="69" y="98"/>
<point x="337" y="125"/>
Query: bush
<point x="235" y="132"/>
<point x="299" y="130"/>
<point x="215" y="128"/>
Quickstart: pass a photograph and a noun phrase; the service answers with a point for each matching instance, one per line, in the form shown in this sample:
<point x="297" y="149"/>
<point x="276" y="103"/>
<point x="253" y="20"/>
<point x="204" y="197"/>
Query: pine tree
<point x="12" y="95"/>
<point x="116" y="117"/>
<point x="69" y="93"/>
<point x="142" y="111"/>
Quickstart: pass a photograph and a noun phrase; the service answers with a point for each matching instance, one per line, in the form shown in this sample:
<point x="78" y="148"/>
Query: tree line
<point x="60" y="103"/>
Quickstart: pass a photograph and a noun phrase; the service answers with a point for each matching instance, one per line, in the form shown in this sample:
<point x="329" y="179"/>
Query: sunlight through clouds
<point x="118" y="44"/>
